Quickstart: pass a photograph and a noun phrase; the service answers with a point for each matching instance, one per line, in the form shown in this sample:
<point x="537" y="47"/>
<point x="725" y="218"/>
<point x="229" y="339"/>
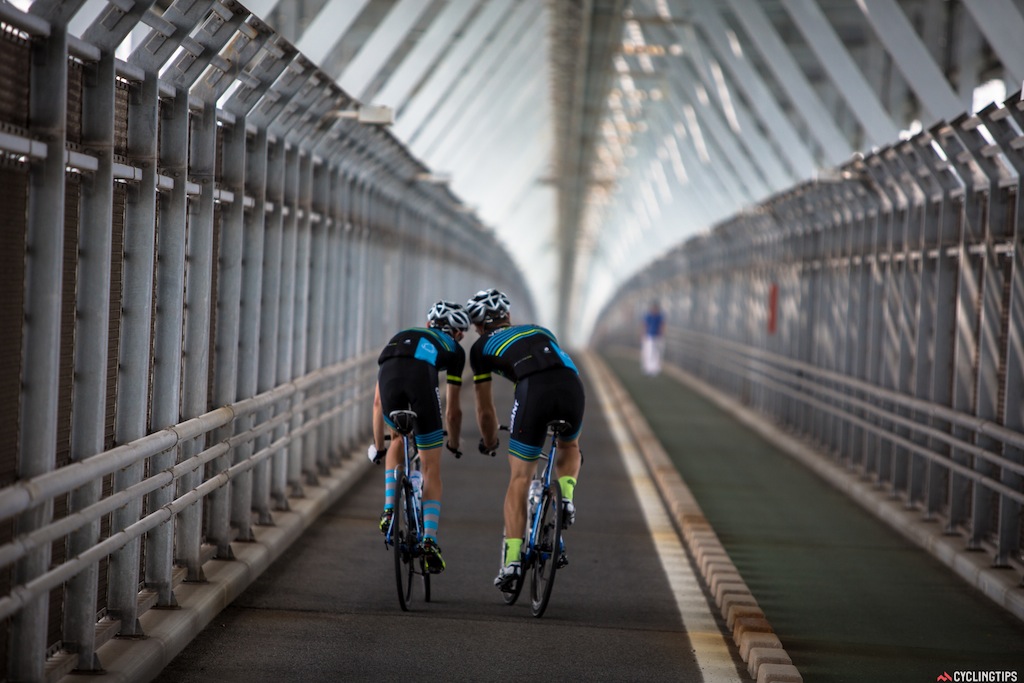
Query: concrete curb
<point x="169" y="631"/>
<point x="1002" y="585"/>
<point x="759" y="647"/>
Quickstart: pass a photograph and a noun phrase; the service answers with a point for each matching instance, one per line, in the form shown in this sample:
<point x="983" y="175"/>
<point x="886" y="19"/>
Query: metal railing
<point x="202" y="257"/>
<point x="879" y="312"/>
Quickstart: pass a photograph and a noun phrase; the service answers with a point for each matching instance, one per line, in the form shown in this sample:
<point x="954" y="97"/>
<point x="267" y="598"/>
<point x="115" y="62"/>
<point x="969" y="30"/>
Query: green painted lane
<point x="850" y="599"/>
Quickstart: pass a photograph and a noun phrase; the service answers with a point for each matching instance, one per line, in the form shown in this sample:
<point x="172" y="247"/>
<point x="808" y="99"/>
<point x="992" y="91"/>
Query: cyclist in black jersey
<point x="407" y="380"/>
<point x="548" y="387"/>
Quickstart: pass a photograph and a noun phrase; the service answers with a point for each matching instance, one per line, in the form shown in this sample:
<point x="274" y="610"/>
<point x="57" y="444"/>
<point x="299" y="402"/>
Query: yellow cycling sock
<point x="568" y="485"/>
<point x="513" y="546"/>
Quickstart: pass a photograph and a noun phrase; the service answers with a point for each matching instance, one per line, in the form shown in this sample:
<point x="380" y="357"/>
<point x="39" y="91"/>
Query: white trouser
<point x="650" y="355"/>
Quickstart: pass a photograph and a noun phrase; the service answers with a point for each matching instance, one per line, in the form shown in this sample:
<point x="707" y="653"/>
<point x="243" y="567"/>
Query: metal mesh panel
<point x="122" y="92"/>
<point x="72" y="195"/>
<point x="12" y="282"/>
<point x="218" y="215"/>
<point x="74" y="113"/>
<point x="218" y="165"/>
<point x="15" y="58"/>
<point x="116" y="285"/>
<point x="113" y="350"/>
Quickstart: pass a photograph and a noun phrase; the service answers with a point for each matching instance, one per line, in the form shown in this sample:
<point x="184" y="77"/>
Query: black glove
<point x="456" y="451"/>
<point x="489" y="451"/>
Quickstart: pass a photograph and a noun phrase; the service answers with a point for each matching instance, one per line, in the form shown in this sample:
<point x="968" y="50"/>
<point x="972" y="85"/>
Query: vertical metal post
<point x="844" y="305"/>
<point x="227" y="333"/>
<point x="919" y="241"/>
<point x="286" y="322"/>
<point x="995" y="228"/>
<point x="317" y="444"/>
<point x="821" y="352"/>
<point x="356" y="257"/>
<point x="131" y="419"/>
<point x="92" y="328"/>
<point x="258" y="498"/>
<point x="170" y="308"/>
<point x="807" y="283"/>
<point x="861" y="204"/>
<point x="301" y="458"/>
<point x="872" y="331"/>
<point x="198" y="294"/>
<point x="901" y="297"/>
<point x="41" y="334"/>
<point x="144" y="151"/>
<point x="885" y="302"/>
<point x="968" y="312"/>
<point x="270" y="310"/>
<point x="335" y="314"/>
<point x="943" y="240"/>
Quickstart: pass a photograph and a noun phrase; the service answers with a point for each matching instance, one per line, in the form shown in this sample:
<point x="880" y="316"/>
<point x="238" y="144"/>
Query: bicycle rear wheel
<point x="547" y="548"/>
<point x="421" y="560"/>
<point x="403" y="542"/>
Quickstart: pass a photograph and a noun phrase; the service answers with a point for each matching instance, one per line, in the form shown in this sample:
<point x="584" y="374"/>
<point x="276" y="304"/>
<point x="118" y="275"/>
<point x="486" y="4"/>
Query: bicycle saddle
<point x="559" y="426"/>
<point x="404" y="420"/>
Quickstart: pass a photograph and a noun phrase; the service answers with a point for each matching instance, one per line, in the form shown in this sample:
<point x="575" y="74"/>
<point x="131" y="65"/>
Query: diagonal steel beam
<point x="585" y="37"/>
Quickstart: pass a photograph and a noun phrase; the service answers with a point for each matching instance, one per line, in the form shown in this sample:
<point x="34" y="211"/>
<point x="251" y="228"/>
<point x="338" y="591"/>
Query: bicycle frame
<point x="532" y="516"/>
<point x="543" y="547"/>
<point x="405" y="468"/>
<point x="406" y="531"/>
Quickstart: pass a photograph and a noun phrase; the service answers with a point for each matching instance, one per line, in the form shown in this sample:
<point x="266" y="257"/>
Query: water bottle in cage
<point x="534" y="498"/>
<point x="416" y="477"/>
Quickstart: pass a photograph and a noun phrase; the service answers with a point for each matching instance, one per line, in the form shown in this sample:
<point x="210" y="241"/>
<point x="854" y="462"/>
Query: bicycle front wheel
<point x="546" y="550"/>
<point x="403" y="542"/>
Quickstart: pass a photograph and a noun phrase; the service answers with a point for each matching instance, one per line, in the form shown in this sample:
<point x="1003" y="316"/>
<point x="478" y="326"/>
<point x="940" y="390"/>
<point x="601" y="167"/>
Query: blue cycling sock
<point x="389" y="489"/>
<point x="431" y="518"/>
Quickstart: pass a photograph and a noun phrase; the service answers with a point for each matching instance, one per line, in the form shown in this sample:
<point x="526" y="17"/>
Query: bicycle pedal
<point x="563" y="560"/>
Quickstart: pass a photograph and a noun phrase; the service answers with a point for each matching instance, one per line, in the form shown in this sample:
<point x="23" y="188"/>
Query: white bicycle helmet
<point x="487" y="305"/>
<point x="448" y="316"/>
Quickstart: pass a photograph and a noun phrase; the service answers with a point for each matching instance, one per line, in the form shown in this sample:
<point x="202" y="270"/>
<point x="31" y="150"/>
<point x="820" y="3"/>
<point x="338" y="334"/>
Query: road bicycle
<point x="543" y="550"/>
<point x="405" y="536"/>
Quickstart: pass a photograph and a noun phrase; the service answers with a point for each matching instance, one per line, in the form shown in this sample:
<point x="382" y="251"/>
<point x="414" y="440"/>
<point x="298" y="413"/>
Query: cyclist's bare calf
<point x="430" y="463"/>
<point x="568" y="459"/>
<point x="520" y="473"/>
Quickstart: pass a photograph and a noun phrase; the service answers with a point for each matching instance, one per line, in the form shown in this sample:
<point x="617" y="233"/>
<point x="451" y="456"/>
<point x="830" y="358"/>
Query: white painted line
<point x="710" y="647"/>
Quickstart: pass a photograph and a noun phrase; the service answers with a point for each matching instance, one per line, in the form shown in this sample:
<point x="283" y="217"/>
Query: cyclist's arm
<point x="453" y="408"/>
<point x="378" y="420"/>
<point x="486" y="416"/>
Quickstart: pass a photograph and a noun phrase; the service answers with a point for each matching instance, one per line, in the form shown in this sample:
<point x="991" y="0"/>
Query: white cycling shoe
<point x="568" y="514"/>
<point x="506" y="578"/>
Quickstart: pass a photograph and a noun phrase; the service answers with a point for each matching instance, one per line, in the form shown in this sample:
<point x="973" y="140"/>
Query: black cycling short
<point x="411" y="384"/>
<point x="555" y="394"/>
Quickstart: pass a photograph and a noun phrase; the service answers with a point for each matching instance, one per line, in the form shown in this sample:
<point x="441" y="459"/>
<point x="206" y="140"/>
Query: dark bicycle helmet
<point x="487" y="305"/>
<point x="448" y="316"/>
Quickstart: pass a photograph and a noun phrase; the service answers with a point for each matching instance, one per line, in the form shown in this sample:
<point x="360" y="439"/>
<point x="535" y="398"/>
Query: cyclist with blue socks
<point x="407" y="380"/>
<point x="548" y="387"/>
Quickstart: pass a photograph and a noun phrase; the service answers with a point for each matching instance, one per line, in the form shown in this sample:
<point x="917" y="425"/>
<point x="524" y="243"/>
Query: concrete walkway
<point x="850" y="597"/>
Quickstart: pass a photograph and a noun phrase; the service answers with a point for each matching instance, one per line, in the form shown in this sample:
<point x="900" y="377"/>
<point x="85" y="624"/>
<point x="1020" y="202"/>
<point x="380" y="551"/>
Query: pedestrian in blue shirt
<point x="653" y="340"/>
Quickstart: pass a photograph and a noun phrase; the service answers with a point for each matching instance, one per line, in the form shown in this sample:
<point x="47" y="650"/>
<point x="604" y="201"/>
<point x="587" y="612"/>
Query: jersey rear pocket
<point x="426" y="351"/>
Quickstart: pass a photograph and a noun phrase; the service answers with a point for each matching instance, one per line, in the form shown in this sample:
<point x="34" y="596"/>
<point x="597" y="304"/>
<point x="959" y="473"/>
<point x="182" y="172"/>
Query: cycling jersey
<point x="516" y="352"/>
<point x="429" y="345"/>
<point x="548" y="386"/>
